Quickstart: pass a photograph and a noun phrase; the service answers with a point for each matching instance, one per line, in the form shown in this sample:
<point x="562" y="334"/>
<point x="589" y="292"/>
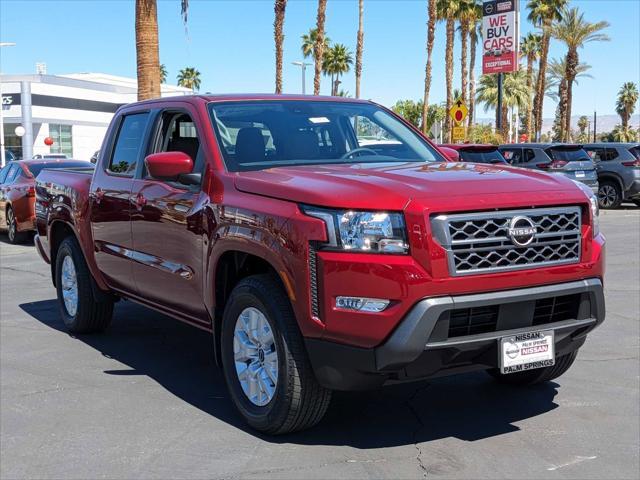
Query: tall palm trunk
<point x="571" y="72"/>
<point x="449" y="75"/>
<point x="464" y="36"/>
<point x="278" y="25"/>
<point x="147" y="55"/>
<point x="431" y="35"/>
<point x="472" y="76"/>
<point x="530" y="60"/>
<point x="562" y="109"/>
<point x="542" y="77"/>
<point x="318" y="48"/>
<point x="359" y="46"/>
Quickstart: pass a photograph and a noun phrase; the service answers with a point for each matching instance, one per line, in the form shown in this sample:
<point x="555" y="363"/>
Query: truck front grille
<point x="509" y="240"/>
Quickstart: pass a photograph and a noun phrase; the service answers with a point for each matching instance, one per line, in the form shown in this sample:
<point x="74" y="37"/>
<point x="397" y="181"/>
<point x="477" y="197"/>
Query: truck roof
<point x="237" y="97"/>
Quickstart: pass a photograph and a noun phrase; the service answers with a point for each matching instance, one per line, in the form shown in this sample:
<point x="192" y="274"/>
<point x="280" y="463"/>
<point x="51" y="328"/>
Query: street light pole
<point x="303" y="65"/>
<point x="2" y="44"/>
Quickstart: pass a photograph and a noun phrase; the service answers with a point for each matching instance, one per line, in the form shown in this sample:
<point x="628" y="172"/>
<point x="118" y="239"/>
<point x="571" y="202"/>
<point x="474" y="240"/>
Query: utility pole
<point x="303" y="65"/>
<point x="595" y="128"/>
<point x="499" y="106"/>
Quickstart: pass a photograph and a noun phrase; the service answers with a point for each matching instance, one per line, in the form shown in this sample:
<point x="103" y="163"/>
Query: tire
<point x="14" y="236"/>
<point x="297" y="401"/>
<point x="609" y="195"/>
<point x="538" y="375"/>
<point x="89" y="315"/>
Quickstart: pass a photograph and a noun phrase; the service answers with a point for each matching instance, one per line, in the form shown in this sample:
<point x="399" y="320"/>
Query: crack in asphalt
<point x="20" y="270"/>
<point x="416" y="445"/>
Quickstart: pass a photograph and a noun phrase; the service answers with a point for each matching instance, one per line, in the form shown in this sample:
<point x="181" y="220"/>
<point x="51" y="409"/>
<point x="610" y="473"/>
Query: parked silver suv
<point x="618" y="167"/>
<point x="568" y="160"/>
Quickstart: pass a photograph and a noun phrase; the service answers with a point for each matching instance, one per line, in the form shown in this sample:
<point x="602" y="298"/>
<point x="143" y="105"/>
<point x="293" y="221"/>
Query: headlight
<point x="372" y="232"/>
<point x="595" y="209"/>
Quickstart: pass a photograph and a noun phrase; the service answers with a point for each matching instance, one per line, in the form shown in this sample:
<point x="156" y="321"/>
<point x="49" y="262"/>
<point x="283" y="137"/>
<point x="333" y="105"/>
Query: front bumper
<point x="422" y="346"/>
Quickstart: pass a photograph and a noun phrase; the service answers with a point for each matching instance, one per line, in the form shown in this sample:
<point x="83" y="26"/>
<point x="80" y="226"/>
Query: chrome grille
<point x="482" y="243"/>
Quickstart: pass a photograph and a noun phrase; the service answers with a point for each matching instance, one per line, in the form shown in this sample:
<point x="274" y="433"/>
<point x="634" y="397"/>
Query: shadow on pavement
<point x="468" y="407"/>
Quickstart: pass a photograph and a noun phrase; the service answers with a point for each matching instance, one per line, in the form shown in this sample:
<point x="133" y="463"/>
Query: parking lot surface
<point x="144" y="400"/>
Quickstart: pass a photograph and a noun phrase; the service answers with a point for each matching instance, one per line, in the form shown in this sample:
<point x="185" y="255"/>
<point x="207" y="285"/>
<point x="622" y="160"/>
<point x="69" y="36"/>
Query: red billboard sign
<point x="500" y="34"/>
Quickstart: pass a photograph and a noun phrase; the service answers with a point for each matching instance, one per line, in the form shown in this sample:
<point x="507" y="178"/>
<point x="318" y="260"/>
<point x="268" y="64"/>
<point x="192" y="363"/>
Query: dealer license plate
<point x="579" y="174"/>
<point x="526" y="351"/>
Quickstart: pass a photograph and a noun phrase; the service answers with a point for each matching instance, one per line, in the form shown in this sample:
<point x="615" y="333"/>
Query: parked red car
<point x="476" y="152"/>
<point x="326" y="245"/>
<point x="18" y="194"/>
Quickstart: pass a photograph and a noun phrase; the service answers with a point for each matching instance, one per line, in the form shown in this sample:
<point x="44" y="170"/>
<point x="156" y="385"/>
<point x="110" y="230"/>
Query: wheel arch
<point x="614" y="177"/>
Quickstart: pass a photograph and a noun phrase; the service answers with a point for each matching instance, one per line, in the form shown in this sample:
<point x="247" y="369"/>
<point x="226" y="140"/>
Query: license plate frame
<point x="526" y="351"/>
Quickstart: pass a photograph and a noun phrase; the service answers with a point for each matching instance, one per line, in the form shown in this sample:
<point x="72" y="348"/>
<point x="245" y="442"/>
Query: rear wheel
<point x="609" y="195"/>
<point x="14" y="236"/>
<point x="538" y="375"/>
<point x="80" y="310"/>
<point x="265" y="364"/>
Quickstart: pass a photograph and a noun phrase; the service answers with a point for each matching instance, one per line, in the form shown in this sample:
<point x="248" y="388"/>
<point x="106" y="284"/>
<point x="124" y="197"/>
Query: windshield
<point x="481" y="156"/>
<point x="568" y="154"/>
<point x="256" y="135"/>
<point x="38" y="167"/>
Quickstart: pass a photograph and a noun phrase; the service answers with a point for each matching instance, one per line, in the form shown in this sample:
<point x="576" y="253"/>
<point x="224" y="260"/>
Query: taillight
<point x="31" y="192"/>
<point x="635" y="163"/>
<point x="554" y="165"/>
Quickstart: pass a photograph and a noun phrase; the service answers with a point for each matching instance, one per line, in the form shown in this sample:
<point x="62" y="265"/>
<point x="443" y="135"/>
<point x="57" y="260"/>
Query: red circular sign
<point x="458" y="115"/>
<point x="48" y="141"/>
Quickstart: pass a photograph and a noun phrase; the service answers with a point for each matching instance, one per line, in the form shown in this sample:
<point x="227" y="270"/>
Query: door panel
<point x="167" y="233"/>
<point x="110" y="197"/>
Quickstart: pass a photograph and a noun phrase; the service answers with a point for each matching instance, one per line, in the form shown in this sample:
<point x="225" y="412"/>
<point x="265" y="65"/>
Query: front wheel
<point x="538" y="375"/>
<point x="80" y="310"/>
<point x="265" y="364"/>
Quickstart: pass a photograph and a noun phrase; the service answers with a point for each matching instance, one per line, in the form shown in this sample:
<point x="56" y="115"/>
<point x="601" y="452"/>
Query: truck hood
<point x="391" y="186"/>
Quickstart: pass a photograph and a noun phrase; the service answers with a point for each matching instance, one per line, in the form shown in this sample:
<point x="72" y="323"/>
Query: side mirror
<point x="450" y="154"/>
<point x="168" y="164"/>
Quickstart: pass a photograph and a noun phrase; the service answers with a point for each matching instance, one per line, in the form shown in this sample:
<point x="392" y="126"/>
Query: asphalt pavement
<point x="144" y="400"/>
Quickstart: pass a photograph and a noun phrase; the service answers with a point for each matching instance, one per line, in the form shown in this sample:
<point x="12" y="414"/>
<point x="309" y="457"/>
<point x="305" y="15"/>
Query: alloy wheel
<point x="69" y="280"/>
<point x="11" y="223"/>
<point x="607" y="196"/>
<point x="256" y="356"/>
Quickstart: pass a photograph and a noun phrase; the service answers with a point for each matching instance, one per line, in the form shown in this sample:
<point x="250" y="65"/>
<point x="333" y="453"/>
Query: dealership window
<point x="62" y="141"/>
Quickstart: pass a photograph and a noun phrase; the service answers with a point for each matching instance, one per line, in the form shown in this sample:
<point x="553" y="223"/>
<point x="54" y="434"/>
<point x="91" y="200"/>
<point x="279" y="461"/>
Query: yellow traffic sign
<point x="458" y="112"/>
<point x="458" y="134"/>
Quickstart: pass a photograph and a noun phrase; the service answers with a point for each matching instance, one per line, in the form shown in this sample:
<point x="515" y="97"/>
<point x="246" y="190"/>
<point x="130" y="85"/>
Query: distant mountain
<point x="606" y="123"/>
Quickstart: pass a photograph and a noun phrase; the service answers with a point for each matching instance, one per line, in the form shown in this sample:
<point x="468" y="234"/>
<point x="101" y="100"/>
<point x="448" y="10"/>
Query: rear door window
<point x="612" y="154"/>
<point x="567" y="154"/>
<point x="596" y="154"/>
<point x="128" y="144"/>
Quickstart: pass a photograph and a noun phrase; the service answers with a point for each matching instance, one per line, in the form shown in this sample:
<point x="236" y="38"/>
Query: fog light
<point x="361" y="304"/>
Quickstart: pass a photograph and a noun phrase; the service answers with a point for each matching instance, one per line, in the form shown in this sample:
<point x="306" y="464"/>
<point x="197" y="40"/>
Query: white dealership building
<point x="73" y="110"/>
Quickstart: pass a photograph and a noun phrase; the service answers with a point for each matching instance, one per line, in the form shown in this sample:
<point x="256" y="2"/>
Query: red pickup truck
<point x="326" y="245"/>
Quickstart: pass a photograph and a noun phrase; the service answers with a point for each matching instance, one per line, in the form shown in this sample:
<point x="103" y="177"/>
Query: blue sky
<point x="231" y="43"/>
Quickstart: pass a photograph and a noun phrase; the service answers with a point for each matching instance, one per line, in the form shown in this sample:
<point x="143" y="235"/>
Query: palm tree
<point x="359" y="46"/>
<point x="163" y="73"/>
<point x="475" y="32"/>
<point x="575" y="31"/>
<point x="583" y="125"/>
<point x="543" y="13"/>
<point x="530" y="49"/>
<point x="147" y="49"/>
<point x="515" y="94"/>
<point x="337" y="61"/>
<point x="467" y="12"/>
<point x="189" y="77"/>
<point x="431" y="35"/>
<point x="309" y="41"/>
<point x="318" y="47"/>
<point x="626" y="104"/>
<point x="448" y="11"/>
<point x="279" y="8"/>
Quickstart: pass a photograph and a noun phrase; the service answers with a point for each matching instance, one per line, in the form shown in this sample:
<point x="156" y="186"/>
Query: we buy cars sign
<point x="500" y="34"/>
